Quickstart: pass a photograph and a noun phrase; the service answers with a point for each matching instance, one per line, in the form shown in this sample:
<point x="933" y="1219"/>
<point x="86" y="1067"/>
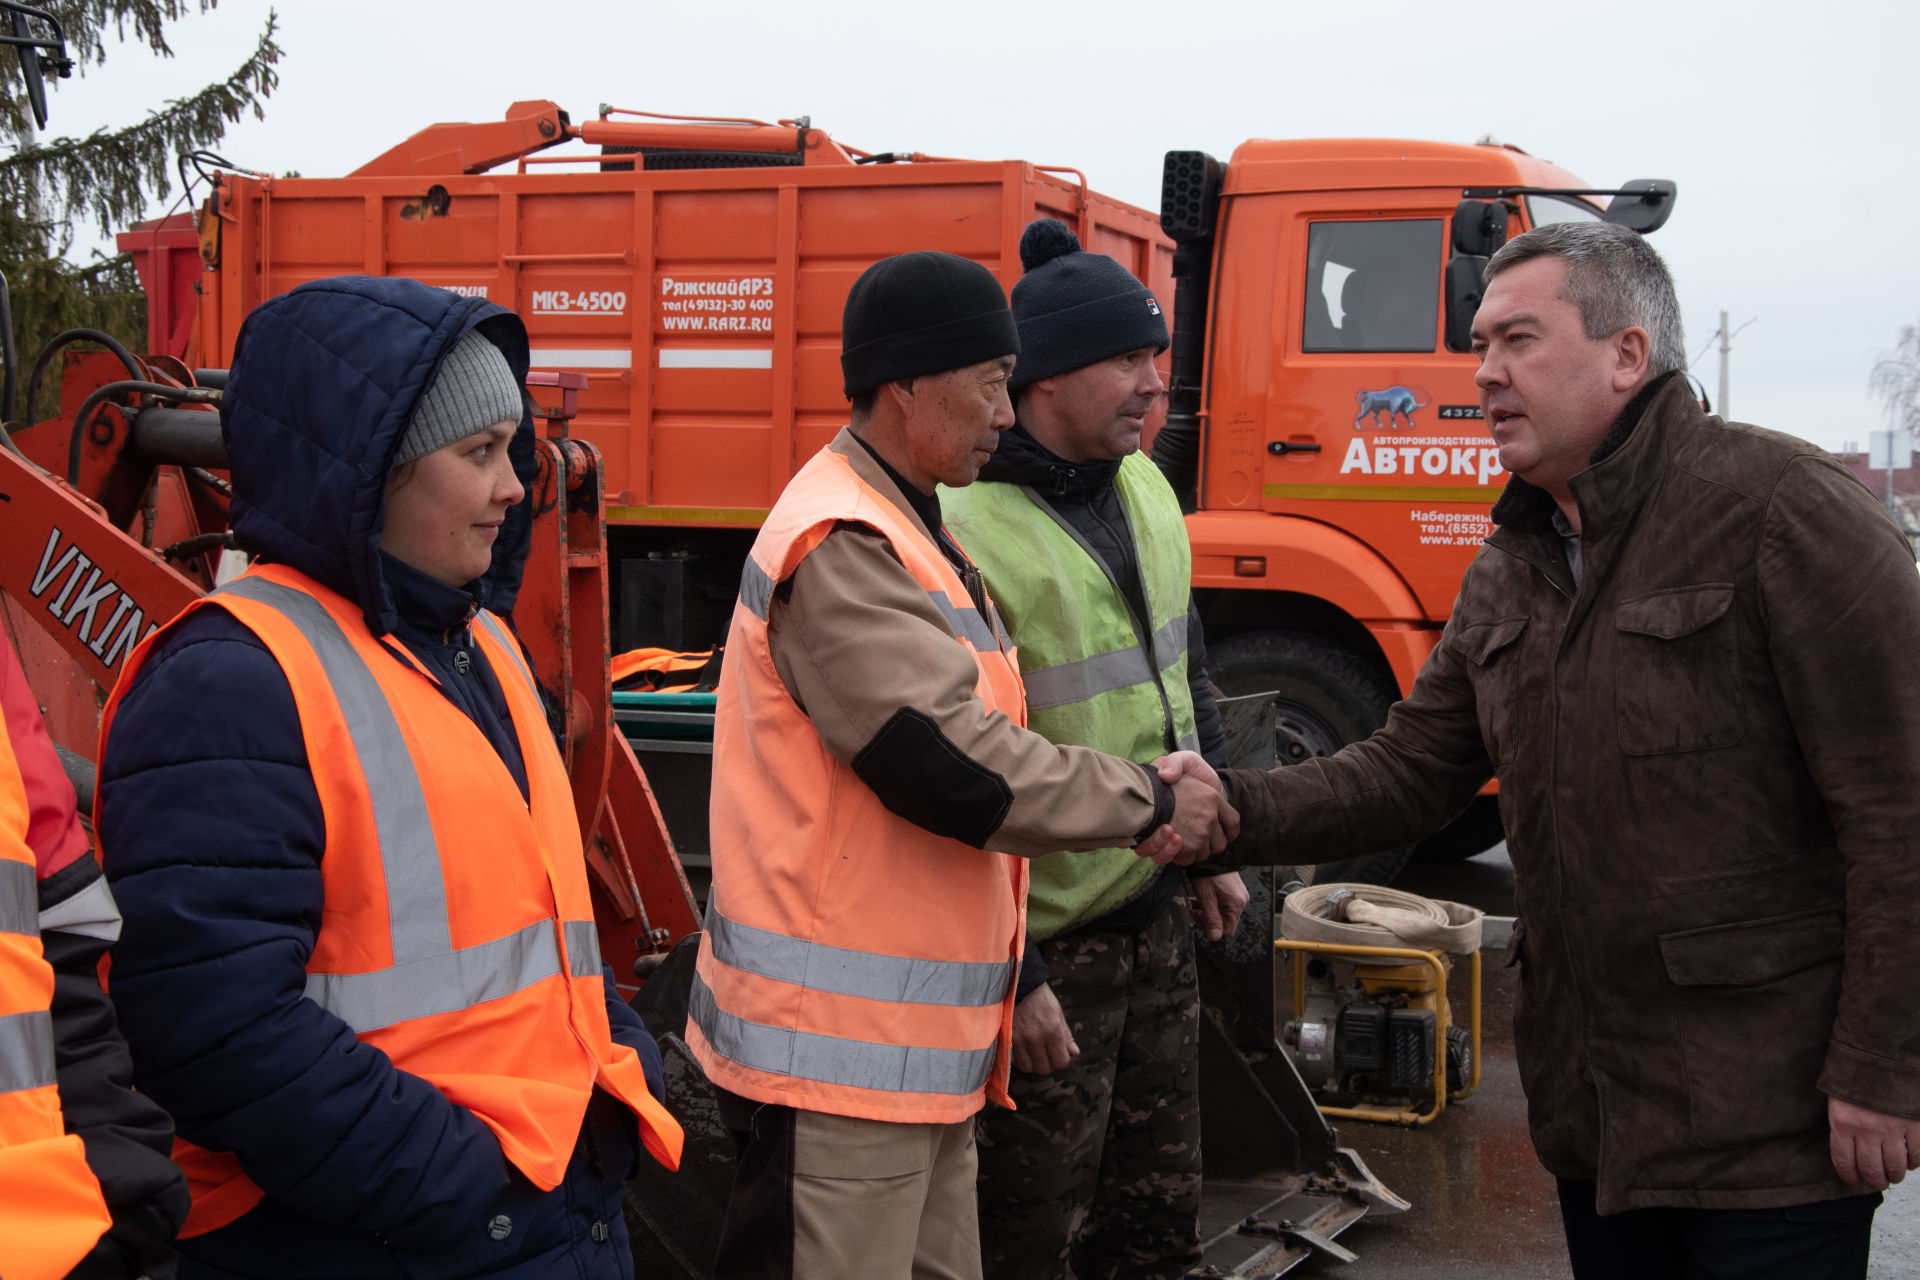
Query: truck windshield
<point x="1545" y="210"/>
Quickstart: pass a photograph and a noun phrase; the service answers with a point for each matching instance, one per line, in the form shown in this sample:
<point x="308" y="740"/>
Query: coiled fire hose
<point x="1374" y="916"/>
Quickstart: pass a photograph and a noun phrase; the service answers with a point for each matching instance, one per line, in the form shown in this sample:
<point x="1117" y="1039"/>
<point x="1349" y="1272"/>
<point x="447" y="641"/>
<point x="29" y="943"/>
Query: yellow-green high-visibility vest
<point x="1096" y="676"/>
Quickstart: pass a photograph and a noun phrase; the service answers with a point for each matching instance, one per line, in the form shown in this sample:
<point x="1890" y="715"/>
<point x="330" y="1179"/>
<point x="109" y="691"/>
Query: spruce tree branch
<point x="85" y="23"/>
<point x="109" y="174"/>
<point x="113" y="268"/>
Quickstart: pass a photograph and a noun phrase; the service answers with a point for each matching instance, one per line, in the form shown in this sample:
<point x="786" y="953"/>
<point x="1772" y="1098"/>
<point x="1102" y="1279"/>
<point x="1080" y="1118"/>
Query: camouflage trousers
<point x="1097" y="1175"/>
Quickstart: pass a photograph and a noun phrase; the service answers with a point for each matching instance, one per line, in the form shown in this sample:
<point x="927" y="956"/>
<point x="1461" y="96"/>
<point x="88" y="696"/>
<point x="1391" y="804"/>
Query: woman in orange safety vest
<point x="359" y="963"/>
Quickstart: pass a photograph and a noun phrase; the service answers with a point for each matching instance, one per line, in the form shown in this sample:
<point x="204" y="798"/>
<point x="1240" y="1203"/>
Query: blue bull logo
<point x="1395" y="402"/>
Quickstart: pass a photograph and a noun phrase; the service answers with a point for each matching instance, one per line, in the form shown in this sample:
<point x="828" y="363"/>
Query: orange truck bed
<point x="703" y="305"/>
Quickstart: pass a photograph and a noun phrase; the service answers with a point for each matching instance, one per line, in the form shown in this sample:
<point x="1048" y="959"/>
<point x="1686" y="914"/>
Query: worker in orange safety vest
<point x="360" y="962"/>
<point x="51" y="1209"/>
<point x="86" y="1188"/>
<point x="874" y="800"/>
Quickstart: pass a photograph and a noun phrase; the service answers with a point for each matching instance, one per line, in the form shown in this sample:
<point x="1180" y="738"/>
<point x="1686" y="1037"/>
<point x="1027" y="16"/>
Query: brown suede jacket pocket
<point x="1492" y="650"/>
<point x="1750" y="994"/>
<point x="1677" y="671"/>
<point x="1753" y="951"/>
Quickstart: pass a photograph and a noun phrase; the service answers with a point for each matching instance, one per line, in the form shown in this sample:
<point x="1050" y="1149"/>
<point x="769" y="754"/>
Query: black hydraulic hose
<point x="205" y="478"/>
<point x="198" y="545"/>
<point x="8" y="355"/>
<point x="58" y="340"/>
<point x="183" y="395"/>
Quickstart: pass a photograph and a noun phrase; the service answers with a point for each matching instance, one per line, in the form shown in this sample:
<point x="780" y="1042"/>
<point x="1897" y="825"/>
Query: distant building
<point x="1906" y="484"/>
<point x="1906" y="490"/>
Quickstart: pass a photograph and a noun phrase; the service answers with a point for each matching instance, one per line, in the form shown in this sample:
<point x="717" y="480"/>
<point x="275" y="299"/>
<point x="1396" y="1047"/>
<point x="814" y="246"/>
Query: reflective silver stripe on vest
<point x="756" y="592"/>
<point x="512" y="646"/>
<point x="843" y="972"/>
<point x="19" y="898"/>
<point x="861" y="1064"/>
<point x="1071" y="682"/>
<point x="444" y="983"/>
<point x="1077" y="681"/>
<point x="427" y="976"/>
<point x="1170" y="642"/>
<point x="26" y="1051"/>
<point x="26" y="1039"/>
<point x="966" y="623"/>
<point x="416" y="893"/>
<point x="581" y="936"/>
<point x="756" y="588"/>
<point x="583" y="948"/>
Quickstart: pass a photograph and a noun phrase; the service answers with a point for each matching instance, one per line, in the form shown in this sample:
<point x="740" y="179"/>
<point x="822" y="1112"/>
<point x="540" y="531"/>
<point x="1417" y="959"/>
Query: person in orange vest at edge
<point x="359" y="963"/>
<point x="86" y="1188"/>
<point x="875" y="798"/>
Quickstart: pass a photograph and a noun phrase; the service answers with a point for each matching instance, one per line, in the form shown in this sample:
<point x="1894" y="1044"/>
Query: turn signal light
<point x="1249" y="566"/>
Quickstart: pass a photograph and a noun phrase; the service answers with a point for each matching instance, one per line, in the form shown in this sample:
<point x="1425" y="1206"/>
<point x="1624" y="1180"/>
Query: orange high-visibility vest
<point x="853" y="962"/>
<point x="457" y="935"/>
<point x="51" y="1209"/>
<point x="668" y="670"/>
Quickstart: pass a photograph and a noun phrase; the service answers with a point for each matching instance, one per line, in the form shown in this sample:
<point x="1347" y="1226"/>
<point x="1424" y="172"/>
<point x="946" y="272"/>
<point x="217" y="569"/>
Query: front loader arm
<point x="88" y="585"/>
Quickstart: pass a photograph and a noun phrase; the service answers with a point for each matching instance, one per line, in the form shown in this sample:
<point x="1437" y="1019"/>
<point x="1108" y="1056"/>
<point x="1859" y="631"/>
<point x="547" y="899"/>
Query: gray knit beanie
<point x="473" y="389"/>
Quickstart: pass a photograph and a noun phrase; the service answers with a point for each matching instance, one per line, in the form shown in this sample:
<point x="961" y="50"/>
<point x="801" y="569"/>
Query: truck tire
<point x="1473" y="832"/>
<point x="1326" y="696"/>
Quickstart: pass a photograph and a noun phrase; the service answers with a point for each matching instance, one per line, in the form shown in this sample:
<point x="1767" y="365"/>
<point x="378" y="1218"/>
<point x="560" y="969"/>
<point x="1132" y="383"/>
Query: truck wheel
<point x="1326" y="697"/>
<point x="1473" y="832"/>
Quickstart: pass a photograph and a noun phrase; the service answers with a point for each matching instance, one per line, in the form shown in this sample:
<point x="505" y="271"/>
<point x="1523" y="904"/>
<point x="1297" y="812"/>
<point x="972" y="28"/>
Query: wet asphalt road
<point x="1482" y="1205"/>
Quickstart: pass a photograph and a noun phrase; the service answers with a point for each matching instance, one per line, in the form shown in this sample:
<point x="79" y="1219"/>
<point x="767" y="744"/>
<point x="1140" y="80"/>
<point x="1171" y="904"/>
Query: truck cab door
<point x="1360" y="369"/>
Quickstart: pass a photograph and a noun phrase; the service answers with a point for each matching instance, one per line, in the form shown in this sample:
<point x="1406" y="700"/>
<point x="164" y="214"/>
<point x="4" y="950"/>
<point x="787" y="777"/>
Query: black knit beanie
<point x="919" y="313"/>
<point x="1076" y="308"/>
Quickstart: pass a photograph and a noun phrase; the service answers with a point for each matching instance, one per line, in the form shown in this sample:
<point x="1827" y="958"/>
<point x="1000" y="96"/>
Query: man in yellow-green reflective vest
<point x="1083" y="548"/>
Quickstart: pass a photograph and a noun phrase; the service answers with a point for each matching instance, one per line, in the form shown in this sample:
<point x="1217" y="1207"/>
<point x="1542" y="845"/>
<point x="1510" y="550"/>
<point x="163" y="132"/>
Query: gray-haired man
<point x="1686" y="652"/>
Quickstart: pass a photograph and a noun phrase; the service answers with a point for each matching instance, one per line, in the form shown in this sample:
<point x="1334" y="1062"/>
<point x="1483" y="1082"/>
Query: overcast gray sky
<point x="1788" y="127"/>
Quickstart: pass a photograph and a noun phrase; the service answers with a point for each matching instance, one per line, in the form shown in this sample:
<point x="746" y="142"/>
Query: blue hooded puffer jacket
<point x="212" y="834"/>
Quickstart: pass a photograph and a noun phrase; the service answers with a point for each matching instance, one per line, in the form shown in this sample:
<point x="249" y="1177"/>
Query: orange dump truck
<point x="1323" y="423"/>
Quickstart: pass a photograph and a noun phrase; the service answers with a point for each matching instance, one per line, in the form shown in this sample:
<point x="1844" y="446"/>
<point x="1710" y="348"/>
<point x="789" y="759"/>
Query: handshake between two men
<point x="1204" y="822"/>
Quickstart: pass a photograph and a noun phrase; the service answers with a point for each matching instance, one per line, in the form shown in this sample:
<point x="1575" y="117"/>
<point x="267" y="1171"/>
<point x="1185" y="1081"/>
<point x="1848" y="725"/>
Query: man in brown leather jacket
<point x="1687" y="653"/>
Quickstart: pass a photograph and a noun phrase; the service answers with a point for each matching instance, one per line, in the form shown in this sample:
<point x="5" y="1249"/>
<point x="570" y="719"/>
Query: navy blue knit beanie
<point x="1076" y="308"/>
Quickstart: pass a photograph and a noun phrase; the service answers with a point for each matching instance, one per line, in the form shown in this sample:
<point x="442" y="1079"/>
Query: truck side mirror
<point x="1466" y="284"/>
<point x="1189" y="195"/>
<point x="1643" y="205"/>
<point x="1479" y="227"/>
